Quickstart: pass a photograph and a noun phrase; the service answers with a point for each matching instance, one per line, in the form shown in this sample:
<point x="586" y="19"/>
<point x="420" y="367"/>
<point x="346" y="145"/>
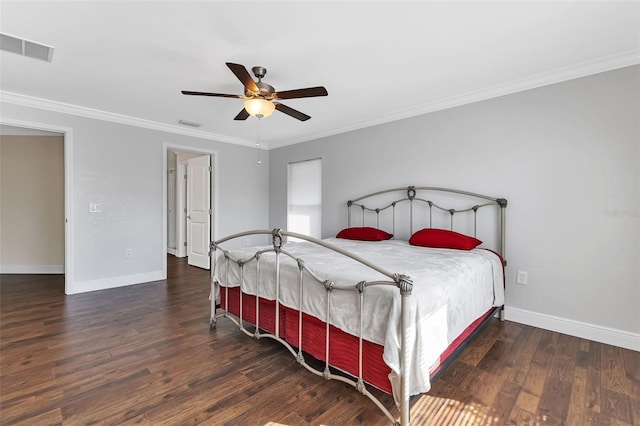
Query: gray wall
<point x="566" y="156"/>
<point x="121" y="167"/>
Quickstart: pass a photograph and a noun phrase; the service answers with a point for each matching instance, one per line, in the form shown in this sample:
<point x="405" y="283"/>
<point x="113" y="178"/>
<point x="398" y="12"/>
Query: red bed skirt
<point x="343" y="347"/>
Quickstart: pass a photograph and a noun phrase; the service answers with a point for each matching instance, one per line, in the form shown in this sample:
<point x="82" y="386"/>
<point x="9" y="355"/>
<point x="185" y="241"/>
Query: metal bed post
<point x="502" y="202"/>
<point x="300" y="357"/>
<point x="411" y="194"/>
<point x="393" y="219"/>
<point x="241" y="265"/>
<point x="360" y="286"/>
<point x="328" y="285"/>
<point x="256" y="332"/>
<point x="405" y="285"/>
<point x="214" y="283"/>
<point x="475" y="220"/>
<point x="277" y="246"/>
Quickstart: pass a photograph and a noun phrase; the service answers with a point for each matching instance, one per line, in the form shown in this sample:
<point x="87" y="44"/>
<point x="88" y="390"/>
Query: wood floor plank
<point x="483" y="342"/>
<point x="554" y="401"/>
<point x="522" y="355"/>
<point x="631" y="361"/>
<point x="428" y="407"/>
<point x="535" y="380"/>
<point x="455" y="374"/>
<point x="520" y="417"/>
<point x="145" y="355"/>
<point x="635" y="408"/>
<point x="593" y="377"/>
<point x="50" y="418"/>
<point x="564" y="359"/>
<point x="578" y="399"/>
<point x="443" y="412"/>
<point x="482" y="385"/>
<point x="504" y="403"/>
<point x="616" y="405"/>
<point x="613" y="374"/>
<point x="494" y="359"/>
<point x="526" y="402"/>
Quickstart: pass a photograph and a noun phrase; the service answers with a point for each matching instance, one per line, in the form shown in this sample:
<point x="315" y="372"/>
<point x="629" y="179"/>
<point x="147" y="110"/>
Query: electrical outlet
<point x="521" y="278"/>
<point x="128" y="253"/>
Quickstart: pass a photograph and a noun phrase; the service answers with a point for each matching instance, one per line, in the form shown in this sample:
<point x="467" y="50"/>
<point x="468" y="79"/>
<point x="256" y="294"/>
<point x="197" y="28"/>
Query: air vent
<point x="25" y="47"/>
<point x="189" y="123"/>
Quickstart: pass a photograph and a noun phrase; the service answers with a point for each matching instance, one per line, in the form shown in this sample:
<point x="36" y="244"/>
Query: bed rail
<point x="402" y="282"/>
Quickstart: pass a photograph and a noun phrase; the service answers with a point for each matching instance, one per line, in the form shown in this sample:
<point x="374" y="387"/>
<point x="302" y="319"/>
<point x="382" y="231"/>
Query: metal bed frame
<point x="402" y="282"/>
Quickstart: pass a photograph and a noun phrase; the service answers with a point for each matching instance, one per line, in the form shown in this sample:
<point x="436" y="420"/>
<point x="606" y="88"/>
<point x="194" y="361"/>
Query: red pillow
<point x="442" y="238"/>
<point x="364" y="233"/>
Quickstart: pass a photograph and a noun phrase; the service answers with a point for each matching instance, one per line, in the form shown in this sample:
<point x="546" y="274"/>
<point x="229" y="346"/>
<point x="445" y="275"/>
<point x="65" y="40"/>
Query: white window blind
<point x="304" y="201"/>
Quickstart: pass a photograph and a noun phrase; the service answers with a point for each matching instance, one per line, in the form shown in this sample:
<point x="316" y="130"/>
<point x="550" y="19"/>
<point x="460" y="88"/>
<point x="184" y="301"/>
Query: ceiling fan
<point x="261" y="99"/>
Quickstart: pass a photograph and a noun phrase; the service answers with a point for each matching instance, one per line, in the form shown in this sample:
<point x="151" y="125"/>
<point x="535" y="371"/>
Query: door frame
<point x="214" y="189"/>
<point x="67" y="133"/>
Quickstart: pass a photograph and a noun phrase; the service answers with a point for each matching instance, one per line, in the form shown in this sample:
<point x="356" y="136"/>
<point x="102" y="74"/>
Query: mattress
<point x="451" y="290"/>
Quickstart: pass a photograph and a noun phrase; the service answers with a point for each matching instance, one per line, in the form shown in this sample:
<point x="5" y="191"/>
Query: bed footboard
<point x="222" y="277"/>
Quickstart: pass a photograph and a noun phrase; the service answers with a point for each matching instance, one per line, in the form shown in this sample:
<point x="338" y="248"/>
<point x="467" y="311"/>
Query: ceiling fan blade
<point x="243" y="75"/>
<point x="302" y="93"/>
<point x="242" y="115"/>
<point x="221" y="95"/>
<point x="292" y="112"/>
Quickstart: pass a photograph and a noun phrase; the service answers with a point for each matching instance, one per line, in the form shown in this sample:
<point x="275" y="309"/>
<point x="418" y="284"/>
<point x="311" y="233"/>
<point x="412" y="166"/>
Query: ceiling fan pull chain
<point x="258" y="140"/>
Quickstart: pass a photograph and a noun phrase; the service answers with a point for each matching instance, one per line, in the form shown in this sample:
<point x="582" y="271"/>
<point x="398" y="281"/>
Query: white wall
<point x="566" y="157"/>
<point x="121" y="167"/>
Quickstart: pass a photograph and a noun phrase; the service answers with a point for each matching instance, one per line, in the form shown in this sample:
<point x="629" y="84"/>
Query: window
<point x="304" y="198"/>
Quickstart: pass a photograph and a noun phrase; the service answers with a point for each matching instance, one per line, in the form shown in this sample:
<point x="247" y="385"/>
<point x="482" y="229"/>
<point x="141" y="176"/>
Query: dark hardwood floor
<point x="144" y="354"/>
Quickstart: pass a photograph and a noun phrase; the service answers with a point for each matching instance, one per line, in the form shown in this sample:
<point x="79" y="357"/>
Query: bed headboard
<point x="430" y="207"/>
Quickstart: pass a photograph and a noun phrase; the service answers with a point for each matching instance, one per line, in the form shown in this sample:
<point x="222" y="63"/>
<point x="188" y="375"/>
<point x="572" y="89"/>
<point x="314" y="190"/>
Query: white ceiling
<point x="380" y="61"/>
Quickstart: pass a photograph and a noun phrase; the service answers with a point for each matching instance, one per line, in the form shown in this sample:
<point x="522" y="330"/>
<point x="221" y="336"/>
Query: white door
<point x="199" y="211"/>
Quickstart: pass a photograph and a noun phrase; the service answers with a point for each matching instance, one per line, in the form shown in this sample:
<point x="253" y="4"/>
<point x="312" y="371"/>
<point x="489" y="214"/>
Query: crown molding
<point x="584" y="69"/>
<point x="608" y="63"/>
<point x="55" y="106"/>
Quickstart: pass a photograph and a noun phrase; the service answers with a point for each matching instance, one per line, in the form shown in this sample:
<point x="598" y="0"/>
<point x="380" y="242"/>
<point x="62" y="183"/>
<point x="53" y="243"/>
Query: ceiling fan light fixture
<point x="259" y="107"/>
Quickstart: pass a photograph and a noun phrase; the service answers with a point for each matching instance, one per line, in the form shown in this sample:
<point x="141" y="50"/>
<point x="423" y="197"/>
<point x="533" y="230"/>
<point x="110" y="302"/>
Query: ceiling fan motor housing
<point x="265" y="90"/>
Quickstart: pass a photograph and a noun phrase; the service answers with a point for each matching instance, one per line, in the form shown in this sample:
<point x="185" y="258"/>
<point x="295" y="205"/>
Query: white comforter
<point x="451" y="288"/>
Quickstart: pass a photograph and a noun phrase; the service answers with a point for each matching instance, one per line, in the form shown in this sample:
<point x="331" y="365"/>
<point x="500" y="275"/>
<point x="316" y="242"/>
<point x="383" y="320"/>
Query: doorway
<point x="190" y="197"/>
<point x="61" y="238"/>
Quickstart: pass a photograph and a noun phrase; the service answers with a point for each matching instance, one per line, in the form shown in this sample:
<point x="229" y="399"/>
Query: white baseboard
<point x="103" y="284"/>
<point x="176" y="252"/>
<point x="597" y="333"/>
<point x="31" y="269"/>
